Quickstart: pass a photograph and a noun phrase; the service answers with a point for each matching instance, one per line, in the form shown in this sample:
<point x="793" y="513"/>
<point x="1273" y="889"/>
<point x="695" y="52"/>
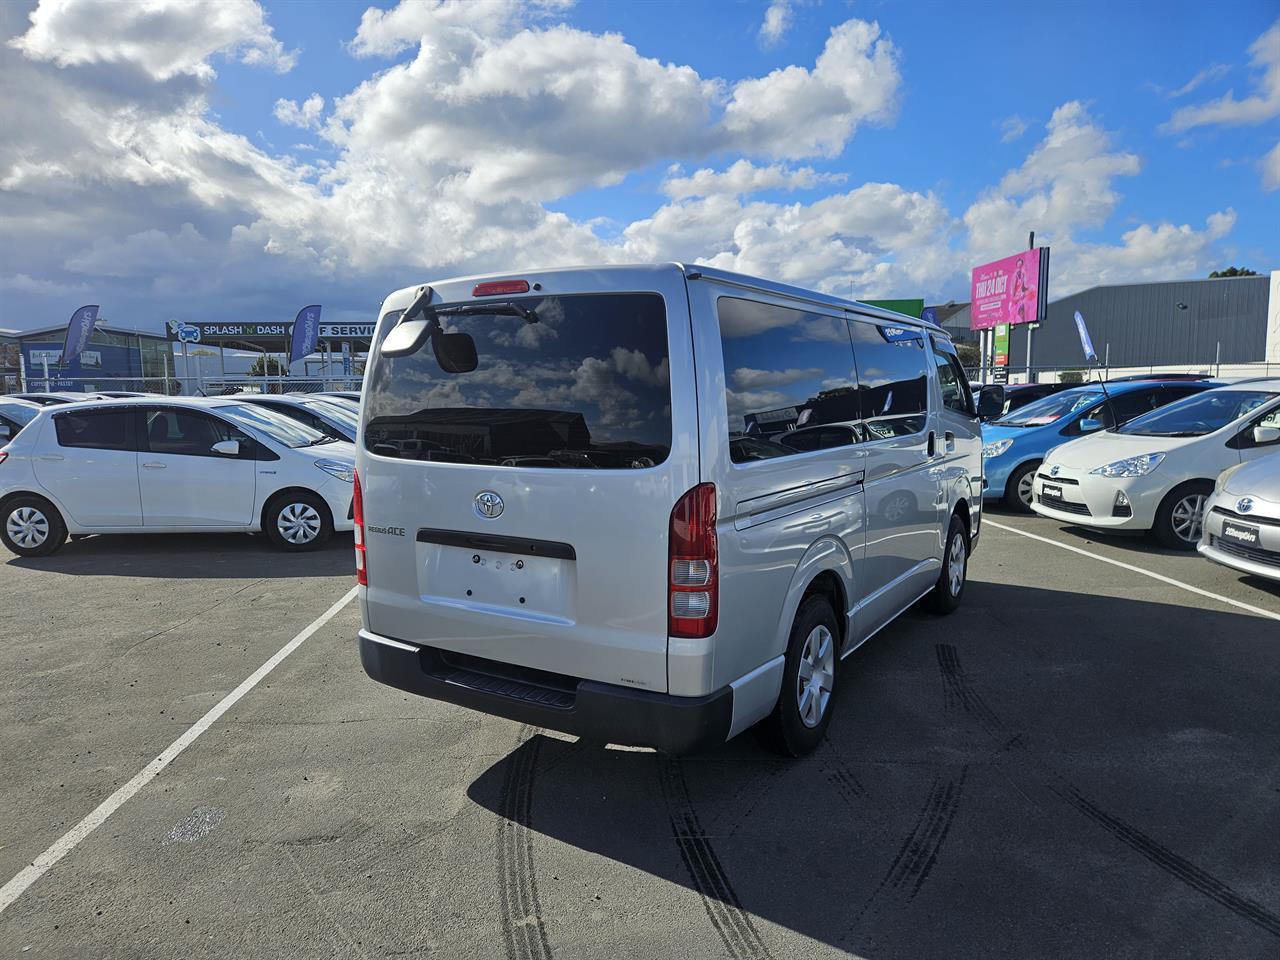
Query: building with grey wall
<point x="1183" y="322"/>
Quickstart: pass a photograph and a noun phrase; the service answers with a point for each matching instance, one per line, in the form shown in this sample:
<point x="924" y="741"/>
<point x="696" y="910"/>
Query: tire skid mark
<point x="916" y="857"/>
<point x="841" y="776"/>
<point x="959" y="690"/>
<point x="523" y="931"/>
<point x="731" y="922"/>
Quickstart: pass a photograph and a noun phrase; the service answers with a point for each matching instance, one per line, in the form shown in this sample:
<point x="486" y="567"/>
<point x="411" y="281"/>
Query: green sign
<point x="1002" y="345"/>
<point x="911" y="308"/>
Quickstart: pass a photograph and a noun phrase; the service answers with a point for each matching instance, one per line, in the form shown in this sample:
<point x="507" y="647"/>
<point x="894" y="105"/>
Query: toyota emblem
<point x="1244" y="504"/>
<point x="1053" y="471"/>
<point x="488" y="504"/>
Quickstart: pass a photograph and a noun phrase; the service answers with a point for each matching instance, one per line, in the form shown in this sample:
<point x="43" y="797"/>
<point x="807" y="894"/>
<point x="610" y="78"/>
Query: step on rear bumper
<point x="584" y="708"/>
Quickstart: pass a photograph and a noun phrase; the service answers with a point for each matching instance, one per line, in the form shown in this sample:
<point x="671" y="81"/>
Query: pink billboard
<point x="1010" y="290"/>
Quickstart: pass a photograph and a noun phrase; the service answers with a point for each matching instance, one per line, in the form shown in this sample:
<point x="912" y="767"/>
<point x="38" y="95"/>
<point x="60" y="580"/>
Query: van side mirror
<point x="227" y="448"/>
<point x="1261" y="435"/>
<point x="406" y="339"/>
<point x="1090" y="425"/>
<point x="990" y="401"/>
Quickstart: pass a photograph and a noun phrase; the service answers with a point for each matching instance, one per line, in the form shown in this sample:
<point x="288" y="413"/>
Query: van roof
<point x="692" y="272"/>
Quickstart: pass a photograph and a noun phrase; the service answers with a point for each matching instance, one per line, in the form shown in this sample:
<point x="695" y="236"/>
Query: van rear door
<point x="518" y="511"/>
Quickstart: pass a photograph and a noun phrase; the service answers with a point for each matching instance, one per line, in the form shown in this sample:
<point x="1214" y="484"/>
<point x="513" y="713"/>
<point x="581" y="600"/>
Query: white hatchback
<point x="1157" y="471"/>
<point x="172" y="465"/>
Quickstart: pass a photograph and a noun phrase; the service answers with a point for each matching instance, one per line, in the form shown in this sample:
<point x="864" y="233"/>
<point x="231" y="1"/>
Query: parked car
<point x="1156" y="472"/>
<point x="675" y="582"/>
<point x="352" y="395"/>
<point x="1016" y="443"/>
<point x="50" y="398"/>
<point x="1241" y="527"/>
<point x="172" y="465"/>
<point x="123" y="394"/>
<point x="14" y="415"/>
<point x="330" y="416"/>
<point x="1018" y="395"/>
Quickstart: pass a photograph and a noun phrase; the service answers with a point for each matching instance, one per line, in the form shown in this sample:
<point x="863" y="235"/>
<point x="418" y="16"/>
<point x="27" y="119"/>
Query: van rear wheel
<point x="803" y="712"/>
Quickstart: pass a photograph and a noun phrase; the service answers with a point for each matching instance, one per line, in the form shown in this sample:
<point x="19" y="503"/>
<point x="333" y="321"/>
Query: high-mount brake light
<point x="357" y="516"/>
<point x="693" y="575"/>
<point x="491" y="288"/>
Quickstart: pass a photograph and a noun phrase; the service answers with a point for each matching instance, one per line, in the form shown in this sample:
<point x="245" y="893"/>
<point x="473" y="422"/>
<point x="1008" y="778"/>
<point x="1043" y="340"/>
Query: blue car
<point x="1013" y="446"/>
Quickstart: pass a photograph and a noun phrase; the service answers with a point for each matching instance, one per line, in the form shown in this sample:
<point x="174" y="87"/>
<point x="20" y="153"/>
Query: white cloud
<point x="745" y="378"/>
<point x="777" y="21"/>
<point x="306" y="115"/>
<point x="165" y="38"/>
<point x="1209" y="73"/>
<point x="743" y="177"/>
<point x="1012" y="128"/>
<point x="796" y="112"/>
<point x="1262" y="105"/>
<point x="1270" y="167"/>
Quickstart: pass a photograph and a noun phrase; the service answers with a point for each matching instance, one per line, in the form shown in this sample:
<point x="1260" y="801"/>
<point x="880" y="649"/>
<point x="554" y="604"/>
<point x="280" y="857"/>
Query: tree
<point x="1232" y="272"/>
<point x="273" y="367"/>
<point x="970" y="356"/>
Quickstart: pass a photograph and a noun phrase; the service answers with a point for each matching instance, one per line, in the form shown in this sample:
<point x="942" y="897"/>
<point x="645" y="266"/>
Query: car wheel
<point x="1181" y="515"/>
<point x="803" y="712"/>
<point x="298" y="521"/>
<point x="32" y="527"/>
<point x="1017" y="492"/>
<point x="946" y="593"/>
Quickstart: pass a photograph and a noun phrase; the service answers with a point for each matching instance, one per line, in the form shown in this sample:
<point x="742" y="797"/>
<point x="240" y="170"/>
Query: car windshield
<point x="18" y="412"/>
<point x="278" y="426"/>
<point x="1050" y="409"/>
<point x="338" y="413"/>
<point x="1196" y="416"/>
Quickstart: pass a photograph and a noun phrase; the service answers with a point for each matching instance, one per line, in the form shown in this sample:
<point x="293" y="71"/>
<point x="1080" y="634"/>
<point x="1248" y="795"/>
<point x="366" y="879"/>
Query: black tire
<point x="297" y="521"/>
<point x="786" y="730"/>
<point x="1171" y="517"/>
<point x="1013" y="490"/>
<point x="948" y="591"/>
<point x="32" y="517"/>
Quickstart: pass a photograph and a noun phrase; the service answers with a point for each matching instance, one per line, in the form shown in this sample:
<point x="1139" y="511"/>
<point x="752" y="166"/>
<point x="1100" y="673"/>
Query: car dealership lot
<point x="1080" y="761"/>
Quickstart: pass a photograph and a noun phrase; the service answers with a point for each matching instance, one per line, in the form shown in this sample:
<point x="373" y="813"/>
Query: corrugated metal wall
<point x="1144" y="324"/>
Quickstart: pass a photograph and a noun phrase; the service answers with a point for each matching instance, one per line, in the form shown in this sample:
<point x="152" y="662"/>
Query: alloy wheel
<point x="1187" y="517"/>
<point x="816" y="677"/>
<point x="1024" y="488"/>
<point x="956" y="560"/>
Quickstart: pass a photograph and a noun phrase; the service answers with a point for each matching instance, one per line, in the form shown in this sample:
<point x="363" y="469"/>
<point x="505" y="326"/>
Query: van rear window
<point x="578" y="382"/>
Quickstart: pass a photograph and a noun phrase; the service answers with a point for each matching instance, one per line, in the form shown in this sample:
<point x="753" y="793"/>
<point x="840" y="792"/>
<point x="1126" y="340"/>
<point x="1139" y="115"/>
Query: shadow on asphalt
<point x="1060" y="790"/>
<point x="178" y="556"/>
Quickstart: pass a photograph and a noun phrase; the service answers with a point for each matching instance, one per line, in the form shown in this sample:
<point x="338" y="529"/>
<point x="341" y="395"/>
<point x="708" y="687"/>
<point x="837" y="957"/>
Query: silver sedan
<point x="1242" y="519"/>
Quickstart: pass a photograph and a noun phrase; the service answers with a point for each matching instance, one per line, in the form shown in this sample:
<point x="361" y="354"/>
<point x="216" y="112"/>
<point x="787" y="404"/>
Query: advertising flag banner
<point x="1009" y="290"/>
<point x="346" y="358"/>
<point x="1086" y="342"/>
<point x="306" y="333"/>
<point x="79" y="330"/>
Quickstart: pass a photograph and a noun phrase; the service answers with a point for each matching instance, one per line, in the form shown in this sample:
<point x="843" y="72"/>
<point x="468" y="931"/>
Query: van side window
<point x="956" y="394"/>
<point x="785" y="370"/>
<point x="96" y="429"/>
<point x="893" y="378"/>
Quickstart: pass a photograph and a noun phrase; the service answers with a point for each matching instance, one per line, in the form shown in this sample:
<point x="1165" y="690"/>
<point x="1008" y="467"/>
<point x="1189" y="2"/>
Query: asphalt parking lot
<point x="1081" y="762"/>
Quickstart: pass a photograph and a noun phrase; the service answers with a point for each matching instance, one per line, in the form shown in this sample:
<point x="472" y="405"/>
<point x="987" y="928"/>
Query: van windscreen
<point x="567" y="381"/>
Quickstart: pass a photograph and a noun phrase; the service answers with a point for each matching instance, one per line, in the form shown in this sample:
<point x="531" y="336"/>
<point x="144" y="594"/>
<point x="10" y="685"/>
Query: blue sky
<point x="875" y="147"/>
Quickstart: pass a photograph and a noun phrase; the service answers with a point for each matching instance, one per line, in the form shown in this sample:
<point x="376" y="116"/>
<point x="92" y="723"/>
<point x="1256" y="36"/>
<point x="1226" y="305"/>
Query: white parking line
<point x="12" y="890"/>
<point x="1239" y="604"/>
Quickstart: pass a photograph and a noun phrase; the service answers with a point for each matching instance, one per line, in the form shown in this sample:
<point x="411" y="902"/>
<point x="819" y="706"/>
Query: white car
<point x="326" y="414"/>
<point x="1242" y="519"/>
<point x="172" y="465"/>
<point x="1156" y="472"/>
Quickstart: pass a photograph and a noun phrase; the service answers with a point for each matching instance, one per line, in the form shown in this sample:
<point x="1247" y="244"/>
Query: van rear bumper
<point x="585" y="708"/>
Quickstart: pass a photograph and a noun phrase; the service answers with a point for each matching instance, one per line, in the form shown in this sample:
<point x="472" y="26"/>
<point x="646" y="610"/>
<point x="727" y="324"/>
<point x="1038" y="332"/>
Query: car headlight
<point x="1138" y="466"/>
<point x="1225" y="476"/>
<point x="995" y="448"/>
<point x="338" y="468"/>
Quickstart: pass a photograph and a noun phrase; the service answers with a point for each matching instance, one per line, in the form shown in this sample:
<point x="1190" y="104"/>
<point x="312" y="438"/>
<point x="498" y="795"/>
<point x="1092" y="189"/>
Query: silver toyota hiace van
<point x="654" y="505"/>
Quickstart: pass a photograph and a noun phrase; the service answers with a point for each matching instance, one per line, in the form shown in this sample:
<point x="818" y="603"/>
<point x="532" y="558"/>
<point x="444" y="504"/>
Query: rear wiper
<point x="488" y="309"/>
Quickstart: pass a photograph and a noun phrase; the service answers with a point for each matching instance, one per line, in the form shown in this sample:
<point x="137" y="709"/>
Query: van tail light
<point x="3" y="456"/>
<point x="357" y="515"/>
<point x="693" y="577"/>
